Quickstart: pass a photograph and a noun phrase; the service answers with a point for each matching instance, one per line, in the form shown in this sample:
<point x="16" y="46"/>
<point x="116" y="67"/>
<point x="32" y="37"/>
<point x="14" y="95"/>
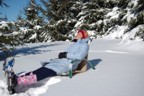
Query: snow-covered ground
<point x="119" y="70"/>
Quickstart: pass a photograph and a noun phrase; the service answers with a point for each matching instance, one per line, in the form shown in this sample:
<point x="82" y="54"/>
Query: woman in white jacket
<point x="76" y="51"/>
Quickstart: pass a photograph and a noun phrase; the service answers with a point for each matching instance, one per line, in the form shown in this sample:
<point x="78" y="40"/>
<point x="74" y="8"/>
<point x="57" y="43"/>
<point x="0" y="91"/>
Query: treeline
<point x="52" y="20"/>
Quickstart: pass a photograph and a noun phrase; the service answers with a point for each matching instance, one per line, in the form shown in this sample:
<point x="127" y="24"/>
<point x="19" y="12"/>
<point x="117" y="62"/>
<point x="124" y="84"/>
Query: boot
<point x="12" y="82"/>
<point x="27" y="79"/>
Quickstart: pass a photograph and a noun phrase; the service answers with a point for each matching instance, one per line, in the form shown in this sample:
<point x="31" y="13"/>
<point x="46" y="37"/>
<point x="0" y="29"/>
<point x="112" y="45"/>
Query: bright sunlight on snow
<point x="119" y="70"/>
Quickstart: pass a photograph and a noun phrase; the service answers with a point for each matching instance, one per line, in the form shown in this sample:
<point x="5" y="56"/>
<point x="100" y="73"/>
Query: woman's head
<point x="82" y="34"/>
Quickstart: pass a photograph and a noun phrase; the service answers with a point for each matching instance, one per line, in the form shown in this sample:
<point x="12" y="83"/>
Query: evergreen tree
<point x="7" y="34"/>
<point x="2" y="3"/>
<point x="20" y="21"/>
<point x="64" y="16"/>
<point x="90" y="13"/>
<point x="61" y="15"/>
<point x="33" y="23"/>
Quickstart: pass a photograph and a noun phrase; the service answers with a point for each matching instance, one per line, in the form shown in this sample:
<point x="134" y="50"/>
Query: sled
<point x="82" y="67"/>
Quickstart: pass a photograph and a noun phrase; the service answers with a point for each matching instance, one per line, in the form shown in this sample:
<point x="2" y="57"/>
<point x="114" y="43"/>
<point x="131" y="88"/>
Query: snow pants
<point x="43" y="73"/>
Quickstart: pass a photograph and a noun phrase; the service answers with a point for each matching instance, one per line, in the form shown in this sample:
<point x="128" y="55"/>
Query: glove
<point x="62" y="55"/>
<point x="74" y="40"/>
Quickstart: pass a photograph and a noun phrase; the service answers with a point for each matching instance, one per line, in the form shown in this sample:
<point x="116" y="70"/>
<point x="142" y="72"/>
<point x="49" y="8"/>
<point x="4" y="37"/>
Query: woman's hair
<point x="84" y="33"/>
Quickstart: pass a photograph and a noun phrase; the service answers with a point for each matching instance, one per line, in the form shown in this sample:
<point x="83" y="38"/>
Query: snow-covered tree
<point x="124" y="17"/>
<point x="61" y="15"/>
<point x="8" y="36"/>
<point x="59" y="19"/>
<point x="110" y="16"/>
<point x="32" y="25"/>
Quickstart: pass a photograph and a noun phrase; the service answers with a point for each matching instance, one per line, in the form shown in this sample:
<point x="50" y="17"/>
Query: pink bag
<point x="26" y="80"/>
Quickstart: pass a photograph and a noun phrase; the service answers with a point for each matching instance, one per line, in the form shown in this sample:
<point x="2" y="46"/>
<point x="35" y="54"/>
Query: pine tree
<point x="61" y="16"/>
<point x="2" y="3"/>
<point x="7" y="34"/>
<point x="33" y="23"/>
<point x="90" y="13"/>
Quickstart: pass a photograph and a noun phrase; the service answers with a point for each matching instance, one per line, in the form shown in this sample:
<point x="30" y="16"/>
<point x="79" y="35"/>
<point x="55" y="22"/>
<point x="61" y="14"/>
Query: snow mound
<point x="3" y="89"/>
<point x="43" y="89"/>
<point x="31" y="91"/>
<point x="132" y="45"/>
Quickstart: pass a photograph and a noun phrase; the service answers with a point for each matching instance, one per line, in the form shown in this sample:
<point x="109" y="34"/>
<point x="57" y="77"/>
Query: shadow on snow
<point x="26" y="51"/>
<point x="94" y="62"/>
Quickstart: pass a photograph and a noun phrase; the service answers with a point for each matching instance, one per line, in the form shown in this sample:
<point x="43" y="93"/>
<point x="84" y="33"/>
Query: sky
<point x="16" y="6"/>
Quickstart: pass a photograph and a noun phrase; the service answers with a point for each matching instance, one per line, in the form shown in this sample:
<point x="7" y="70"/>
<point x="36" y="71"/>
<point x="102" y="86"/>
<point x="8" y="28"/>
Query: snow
<point x="33" y="36"/>
<point x="29" y="9"/>
<point x="3" y="24"/>
<point x="99" y="22"/>
<point x="116" y="32"/>
<point x="119" y="70"/>
<point x="114" y="13"/>
<point x="134" y="3"/>
<point x="23" y="29"/>
<point x="37" y="27"/>
<point x="132" y="33"/>
<point x="60" y="21"/>
<point x="129" y="16"/>
<point x="132" y="45"/>
<point x="91" y="33"/>
<point x="15" y="33"/>
<point x="77" y="24"/>
<point x="119" y="63"/>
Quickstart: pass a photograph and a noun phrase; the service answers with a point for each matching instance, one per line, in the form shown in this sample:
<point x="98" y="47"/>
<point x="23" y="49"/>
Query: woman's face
<point x="78" y="36"/>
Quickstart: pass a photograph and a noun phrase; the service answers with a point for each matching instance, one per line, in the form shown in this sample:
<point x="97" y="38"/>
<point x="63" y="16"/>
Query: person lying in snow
<point x="76" y="51"/>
